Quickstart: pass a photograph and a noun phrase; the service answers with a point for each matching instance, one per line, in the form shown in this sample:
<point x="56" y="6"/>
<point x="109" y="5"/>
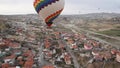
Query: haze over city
<point x="9" y="7"/>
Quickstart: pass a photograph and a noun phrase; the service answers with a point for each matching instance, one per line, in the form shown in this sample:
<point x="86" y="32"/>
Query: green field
<point x="112" y="32"/>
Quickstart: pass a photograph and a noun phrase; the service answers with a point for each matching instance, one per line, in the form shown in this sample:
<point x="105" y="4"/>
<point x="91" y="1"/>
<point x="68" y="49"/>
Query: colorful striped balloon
<point x="49" y="9"/>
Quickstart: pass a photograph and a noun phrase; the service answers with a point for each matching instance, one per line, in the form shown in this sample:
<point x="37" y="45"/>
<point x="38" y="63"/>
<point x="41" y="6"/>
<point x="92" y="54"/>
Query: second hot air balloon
<point x="49" y="9"/>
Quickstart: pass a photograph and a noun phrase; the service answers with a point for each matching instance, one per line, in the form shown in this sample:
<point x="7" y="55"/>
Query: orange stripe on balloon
<point x="36" y="2"/>
<point x="53" y="15"/>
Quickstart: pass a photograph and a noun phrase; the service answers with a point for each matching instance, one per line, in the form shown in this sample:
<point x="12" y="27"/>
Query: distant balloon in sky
<point x="49" y="9"/>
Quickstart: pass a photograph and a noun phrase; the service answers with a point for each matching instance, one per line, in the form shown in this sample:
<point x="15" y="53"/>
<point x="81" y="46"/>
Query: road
<point x="76" y="64"/>
<point x="76" y="29"/>
<point x="41" y="56"/>
<point x="96" y="38"/>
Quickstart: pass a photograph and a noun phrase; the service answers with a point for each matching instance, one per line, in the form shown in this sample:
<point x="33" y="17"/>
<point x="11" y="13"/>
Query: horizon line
<point x="62" y="14"/>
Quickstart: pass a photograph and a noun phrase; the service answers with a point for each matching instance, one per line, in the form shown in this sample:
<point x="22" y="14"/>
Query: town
<point x="39" y="47"/>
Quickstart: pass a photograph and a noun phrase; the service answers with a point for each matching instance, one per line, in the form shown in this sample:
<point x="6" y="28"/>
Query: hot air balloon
<point x="49" y="9"/>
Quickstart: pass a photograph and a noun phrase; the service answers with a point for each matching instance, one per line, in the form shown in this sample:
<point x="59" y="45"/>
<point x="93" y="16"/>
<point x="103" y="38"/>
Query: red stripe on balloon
<point x="53" y="15"/>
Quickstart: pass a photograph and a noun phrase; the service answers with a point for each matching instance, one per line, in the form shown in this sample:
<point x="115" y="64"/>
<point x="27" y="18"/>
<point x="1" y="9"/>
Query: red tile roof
<point x="114" y="51"/>
<point x="19" y="30"/>
<point x="95" y="43"/>
<point x="67" y="58"/>
<point x="29" y="63"/>
<point x="107" y="55"/>
<point x="13" y="45"/>
<point x="11" y="57"/>
<point x="98" y="57"/>
<point x="47" y="44"/>
<point x="28" y="53"/>
<point x="70" y="41"/>
<point x="49" y="54"/>
<point x="118" y="57"/>
<point x="95" y="52"/>
<point x="48" y="66"/>
<point x="6" y="41"/>
<point x="61" y="46"/>
<point x="21" y="62"/>
<point x="5" y="65"/>
<point x="75" y="46"/>
<point x="87" y="47"/>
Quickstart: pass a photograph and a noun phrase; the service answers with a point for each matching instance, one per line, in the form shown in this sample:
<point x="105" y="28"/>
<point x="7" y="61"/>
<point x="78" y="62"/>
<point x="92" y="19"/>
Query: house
<point x="48" y="55"/>
<point x="19" y="31"/>
<point x="62" y="56"/>
<point x="29" y="63"/>
<point x="20" y="38"/>
<point x="57" y="34"/>
<point x="5" y="65"/>
<point x="6" y="41"/>
<point x="54" y="51"/>
<point x="67" y="58"/>
<point x="114" y="51"/>
<point x="107" y="55"/>
<point x="48" y="66"/>
<point x="17" y="52"/>
<point x="20" y="60"/>
<point x="45" y="50"/>
<point x="98" y="57"/>
<point x="87" y="46"/>
<point x="74" y="46"/>
<point x="0" y="52"/>
<point x="17" y="67"/>
<point x="7" y="49"/>
<point x="95" y="44"/>
<point x="10" y="59"/>
<point x="70" y="41"/>
<point x="28" y="53"/>
<point x="14" y="45"/>
<point x="1" y="39"/>
<point x="58" y="59"/>
<point x="61" y="46"/>
<point x="95" y="52"/>
<point x="47" y="44"/>
<point x="31" y="37"/>
<point x="2" y="43"/>
<point x="82" y="36"/>
<point x="85" y="55"/>
<point x="118" y="57"/>
<point x="66" y="37"/>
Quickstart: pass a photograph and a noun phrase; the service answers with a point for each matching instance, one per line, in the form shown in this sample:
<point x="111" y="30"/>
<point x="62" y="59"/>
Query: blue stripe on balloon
<point x="43" y="4"/>
<point x="53" y="18"/>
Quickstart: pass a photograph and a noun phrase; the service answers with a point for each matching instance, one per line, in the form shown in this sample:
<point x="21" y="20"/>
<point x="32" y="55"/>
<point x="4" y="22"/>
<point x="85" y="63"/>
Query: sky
<point x="9" y="7"/>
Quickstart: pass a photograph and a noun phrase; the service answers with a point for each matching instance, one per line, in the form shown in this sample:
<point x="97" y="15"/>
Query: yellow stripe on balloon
<point x="37" y="2"/>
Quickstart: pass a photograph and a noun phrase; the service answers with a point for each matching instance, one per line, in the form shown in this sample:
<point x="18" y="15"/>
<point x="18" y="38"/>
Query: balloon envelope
<point x="49" y="9"/>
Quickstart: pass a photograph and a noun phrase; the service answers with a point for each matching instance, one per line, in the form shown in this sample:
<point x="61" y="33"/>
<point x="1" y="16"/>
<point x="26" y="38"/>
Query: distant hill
<point x="81" y="16"/>
<point x="97" y="17"/>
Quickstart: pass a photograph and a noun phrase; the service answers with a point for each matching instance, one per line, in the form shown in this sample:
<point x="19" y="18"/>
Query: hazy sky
<point x="71" y="6"/>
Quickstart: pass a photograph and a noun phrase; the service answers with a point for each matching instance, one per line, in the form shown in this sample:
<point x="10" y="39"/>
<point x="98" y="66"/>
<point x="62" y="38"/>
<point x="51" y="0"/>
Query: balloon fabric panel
<point x="41" y="4"/>
<point x="49" y="9"/>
